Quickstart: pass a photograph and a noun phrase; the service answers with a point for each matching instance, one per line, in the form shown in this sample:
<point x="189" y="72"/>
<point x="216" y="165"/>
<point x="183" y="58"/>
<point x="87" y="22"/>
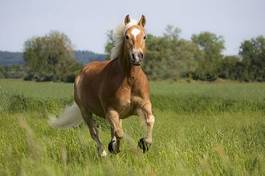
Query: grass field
<point x="200" y="129"/>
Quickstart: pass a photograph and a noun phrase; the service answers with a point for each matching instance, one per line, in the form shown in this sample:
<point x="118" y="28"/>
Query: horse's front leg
<point x="116" y="131"/>
<point x="146" y="113"/>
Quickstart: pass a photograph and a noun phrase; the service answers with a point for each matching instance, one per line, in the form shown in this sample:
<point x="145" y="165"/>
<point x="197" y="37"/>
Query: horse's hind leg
<point x="116" y="131"/>
<point x="146" y="113"/>
<point x="94" y="133"/>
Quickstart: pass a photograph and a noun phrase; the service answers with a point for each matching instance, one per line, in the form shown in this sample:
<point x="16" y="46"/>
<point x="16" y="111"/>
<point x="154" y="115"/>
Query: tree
<point x="253" y="57"/>
<point x="169" y="58"/>
<point x="211" y="47"/>
<point x="109" y="44"/>
<point x="229" y="68"/>
<point x="172" y="32"/>
<point x="2" y="72"/>
<point x="49" y="57"/>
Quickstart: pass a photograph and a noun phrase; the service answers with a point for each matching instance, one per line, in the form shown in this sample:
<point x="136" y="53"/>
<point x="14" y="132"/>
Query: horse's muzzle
<point x="136" y="58"/>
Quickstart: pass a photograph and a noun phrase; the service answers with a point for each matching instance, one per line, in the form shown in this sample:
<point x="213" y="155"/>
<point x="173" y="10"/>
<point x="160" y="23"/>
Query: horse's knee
<point x="150" y="120"/>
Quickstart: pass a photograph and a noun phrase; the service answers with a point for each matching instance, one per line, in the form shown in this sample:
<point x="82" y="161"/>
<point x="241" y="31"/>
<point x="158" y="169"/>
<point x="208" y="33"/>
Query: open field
<point x="201" y="129"/>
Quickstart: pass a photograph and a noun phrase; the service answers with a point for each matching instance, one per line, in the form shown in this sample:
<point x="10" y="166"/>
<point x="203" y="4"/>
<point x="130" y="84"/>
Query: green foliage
<point x="253" y="57"/>
<point x="49" y="57"/>
<point x="210" y="46"/>
<point x="168" y="57"/>
<point x="228" y="68"/>
<point x="12" y="71"/>
<point x="109" y="44"/>
<point x="2" y="72"/>
<point x="172" y="32"/>
<point x="217" y="140"/>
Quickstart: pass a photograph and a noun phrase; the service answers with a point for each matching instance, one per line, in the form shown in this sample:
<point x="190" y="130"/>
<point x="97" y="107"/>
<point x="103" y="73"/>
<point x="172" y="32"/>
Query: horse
<point x="114" y="89"/>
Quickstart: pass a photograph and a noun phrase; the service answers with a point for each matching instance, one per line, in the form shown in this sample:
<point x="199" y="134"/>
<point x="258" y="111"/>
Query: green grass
<point x="200" y="129"/>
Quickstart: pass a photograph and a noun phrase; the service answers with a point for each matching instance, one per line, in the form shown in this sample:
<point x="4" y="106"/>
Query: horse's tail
<point x="70" y="117"/>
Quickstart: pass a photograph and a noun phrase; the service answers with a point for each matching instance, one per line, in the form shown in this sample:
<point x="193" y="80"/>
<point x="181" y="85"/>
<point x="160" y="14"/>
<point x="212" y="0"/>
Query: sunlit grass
<point x="213" y="140"/>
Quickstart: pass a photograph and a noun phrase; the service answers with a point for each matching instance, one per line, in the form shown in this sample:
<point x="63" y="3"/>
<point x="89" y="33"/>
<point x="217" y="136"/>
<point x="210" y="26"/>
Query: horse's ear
<point x="127" y="19"/>
<point x="142" y="21"/>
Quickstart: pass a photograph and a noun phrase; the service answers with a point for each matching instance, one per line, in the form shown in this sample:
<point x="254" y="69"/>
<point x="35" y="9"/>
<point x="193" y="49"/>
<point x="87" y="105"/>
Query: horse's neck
<point x="129" y="70"/>
<point x="124" y="63"/>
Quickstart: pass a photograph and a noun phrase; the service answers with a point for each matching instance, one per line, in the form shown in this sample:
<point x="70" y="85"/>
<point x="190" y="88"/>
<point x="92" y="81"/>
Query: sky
<point x="86" y="22"/>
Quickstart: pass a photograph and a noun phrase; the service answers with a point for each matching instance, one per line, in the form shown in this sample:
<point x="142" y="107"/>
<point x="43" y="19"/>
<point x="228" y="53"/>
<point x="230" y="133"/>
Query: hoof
<point x="113" y="147"/>
<point x="144" y="145"/>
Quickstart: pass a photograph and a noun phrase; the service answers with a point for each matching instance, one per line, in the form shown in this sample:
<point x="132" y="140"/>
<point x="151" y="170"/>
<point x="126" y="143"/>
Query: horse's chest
<point x="124" y="100"/>
<point x="126" y="103"/>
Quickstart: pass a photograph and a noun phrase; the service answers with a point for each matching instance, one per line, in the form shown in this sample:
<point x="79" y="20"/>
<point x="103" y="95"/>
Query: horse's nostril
<point x="133" y="56"/>
<point x="141" y="55"/>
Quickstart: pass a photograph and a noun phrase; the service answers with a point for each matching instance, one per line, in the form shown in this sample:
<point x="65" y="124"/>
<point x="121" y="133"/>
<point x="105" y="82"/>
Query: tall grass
<point x="201" y="129"/>
<point x="20" y="96"/>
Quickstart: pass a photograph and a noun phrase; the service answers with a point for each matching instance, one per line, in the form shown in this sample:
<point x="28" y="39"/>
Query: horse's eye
<point x="144" y="37"/>
<point x="127" y="37"/>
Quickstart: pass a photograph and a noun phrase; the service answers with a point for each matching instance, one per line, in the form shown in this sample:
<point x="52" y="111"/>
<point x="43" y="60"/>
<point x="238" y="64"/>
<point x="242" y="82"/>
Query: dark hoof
<point x="113" y="147"/>
<point x="143" y="145"/>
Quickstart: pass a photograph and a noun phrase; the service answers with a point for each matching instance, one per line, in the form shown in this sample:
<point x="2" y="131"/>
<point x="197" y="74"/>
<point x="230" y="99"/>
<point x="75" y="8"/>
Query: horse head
<point x="134" y="39"/>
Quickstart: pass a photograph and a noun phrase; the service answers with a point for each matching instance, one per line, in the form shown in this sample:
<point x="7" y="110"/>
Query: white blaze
<point x="135" y="32"/>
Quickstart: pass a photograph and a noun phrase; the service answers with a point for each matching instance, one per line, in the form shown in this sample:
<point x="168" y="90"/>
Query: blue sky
<point x="86" y="22"/>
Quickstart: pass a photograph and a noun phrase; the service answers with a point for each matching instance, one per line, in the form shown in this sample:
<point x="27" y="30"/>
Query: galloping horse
<point x="114" y="89"/>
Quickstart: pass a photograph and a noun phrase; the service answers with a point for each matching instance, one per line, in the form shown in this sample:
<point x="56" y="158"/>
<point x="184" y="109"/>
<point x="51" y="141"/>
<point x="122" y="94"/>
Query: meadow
<point x="200" y="129"/>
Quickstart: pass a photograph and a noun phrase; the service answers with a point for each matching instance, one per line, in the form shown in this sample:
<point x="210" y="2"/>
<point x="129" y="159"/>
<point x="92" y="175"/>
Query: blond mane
<point x="118" y="37"/>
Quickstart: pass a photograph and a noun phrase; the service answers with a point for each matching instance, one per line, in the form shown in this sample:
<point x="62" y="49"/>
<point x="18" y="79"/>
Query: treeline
<point x="200" y="58"/>
<point x="51" y="58"/>
<point x="46" y="58"/>
<point x="12" y="71"/>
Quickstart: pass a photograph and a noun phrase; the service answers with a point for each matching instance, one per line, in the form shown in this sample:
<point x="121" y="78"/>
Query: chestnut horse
<point x="114" y="89"/>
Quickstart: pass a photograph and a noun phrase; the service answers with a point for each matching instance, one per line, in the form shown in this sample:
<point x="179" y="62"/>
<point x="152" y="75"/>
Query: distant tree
<point x="109" y="44"/>
<point x="211" y="47"/>
<point x="12" y="71"/>
<point x="228" y="68"/>
<point x="2" y="72"/>
<point x="169" y="57"/>
<point x="253" y="57"/>
<point x="172" y="32"/>
<point x="49" y="57"/>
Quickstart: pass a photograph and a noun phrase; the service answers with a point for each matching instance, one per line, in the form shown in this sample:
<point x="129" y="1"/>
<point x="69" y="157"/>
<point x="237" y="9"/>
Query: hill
<point x="11" y="58"/>
<point x="8" y="58"/>
<point x="84" y="57"/>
